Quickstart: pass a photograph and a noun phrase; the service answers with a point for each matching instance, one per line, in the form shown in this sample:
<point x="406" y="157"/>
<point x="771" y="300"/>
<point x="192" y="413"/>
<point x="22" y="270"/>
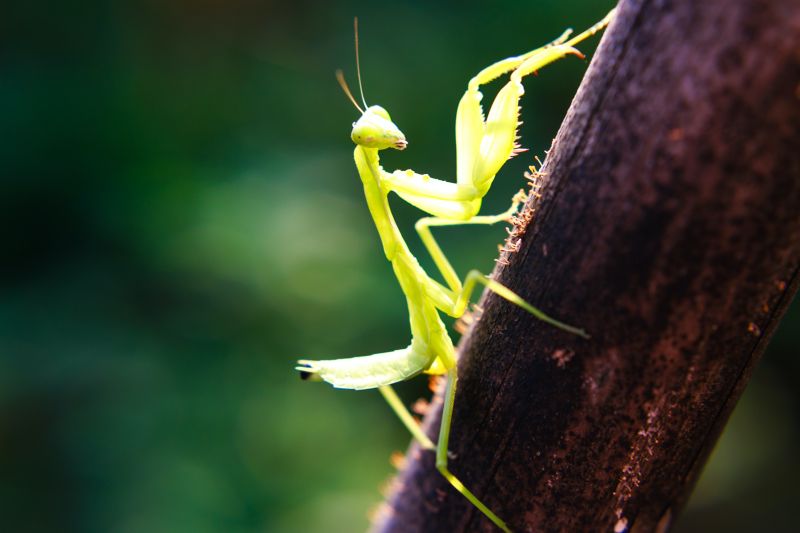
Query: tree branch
<point x="669" y="228"/>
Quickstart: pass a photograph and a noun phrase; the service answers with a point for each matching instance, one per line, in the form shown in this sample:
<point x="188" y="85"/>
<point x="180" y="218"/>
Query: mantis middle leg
<point x="454" y="301"/>
<point x="454" y="298"/>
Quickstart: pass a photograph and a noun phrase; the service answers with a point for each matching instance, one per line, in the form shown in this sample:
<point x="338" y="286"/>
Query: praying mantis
<point x="482" y="146"/>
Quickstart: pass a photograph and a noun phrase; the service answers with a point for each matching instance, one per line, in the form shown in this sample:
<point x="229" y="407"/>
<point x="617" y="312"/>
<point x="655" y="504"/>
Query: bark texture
<point x="669" y="228"/>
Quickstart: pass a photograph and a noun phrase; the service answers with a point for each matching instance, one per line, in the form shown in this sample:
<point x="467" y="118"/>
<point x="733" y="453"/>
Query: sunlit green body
<point x="483" y="147"/>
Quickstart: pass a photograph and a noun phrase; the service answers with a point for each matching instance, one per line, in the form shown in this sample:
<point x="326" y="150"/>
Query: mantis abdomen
<point x="369" y="371"/>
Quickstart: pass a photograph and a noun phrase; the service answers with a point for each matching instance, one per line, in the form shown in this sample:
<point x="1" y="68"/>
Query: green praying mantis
<point x="483" y="146"/>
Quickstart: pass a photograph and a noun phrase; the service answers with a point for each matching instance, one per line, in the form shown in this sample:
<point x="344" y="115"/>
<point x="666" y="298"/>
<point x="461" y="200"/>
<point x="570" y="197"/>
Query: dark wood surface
<point x="669" y="228"/>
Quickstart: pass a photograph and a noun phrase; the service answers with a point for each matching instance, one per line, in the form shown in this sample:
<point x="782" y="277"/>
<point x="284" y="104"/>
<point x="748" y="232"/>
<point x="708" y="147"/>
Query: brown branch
<point x="669" y="228"/>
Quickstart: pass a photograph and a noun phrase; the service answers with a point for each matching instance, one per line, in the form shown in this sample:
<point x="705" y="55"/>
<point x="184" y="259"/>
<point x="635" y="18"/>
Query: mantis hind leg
<point x="405" y="417"/>
<point x="444" y="438"/>
<point x="441" y="453"/>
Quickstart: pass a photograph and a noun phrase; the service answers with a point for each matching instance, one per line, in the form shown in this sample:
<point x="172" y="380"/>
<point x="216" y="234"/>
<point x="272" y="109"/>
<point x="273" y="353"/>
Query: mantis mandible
<point x="483" y="146"/>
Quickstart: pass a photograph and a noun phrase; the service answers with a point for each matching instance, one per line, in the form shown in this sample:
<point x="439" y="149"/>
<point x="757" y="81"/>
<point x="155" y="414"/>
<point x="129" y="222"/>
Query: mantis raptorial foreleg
<point x="482" y="151"/>
<point x="482" y="146"/>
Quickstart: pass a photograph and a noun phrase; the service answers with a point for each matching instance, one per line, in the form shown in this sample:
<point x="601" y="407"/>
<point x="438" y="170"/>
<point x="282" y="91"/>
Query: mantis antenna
<point x="358" y="63"/>
<point x="346" y="89"/>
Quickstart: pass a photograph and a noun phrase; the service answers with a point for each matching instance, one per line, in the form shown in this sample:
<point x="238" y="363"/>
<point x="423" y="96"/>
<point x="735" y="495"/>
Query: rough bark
<point x="669" y="228"/>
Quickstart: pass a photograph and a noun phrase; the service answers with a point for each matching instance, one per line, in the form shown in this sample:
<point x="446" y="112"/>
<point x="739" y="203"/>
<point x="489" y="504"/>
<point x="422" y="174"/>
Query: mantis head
<point x="375" y="129"/>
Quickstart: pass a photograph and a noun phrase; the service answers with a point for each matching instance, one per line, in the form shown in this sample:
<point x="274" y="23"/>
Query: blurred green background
<point x="182" y="219"/>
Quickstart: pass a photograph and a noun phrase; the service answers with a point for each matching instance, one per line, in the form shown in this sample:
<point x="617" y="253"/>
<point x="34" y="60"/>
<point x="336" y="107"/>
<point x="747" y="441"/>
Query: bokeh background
<point x="181" y="220"/>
